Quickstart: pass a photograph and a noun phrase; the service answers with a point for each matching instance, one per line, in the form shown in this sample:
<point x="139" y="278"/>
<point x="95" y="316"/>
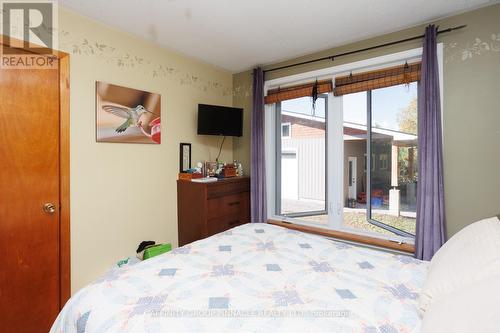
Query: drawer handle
<point x="234" y="203"/>
<point x="235" y="222"/>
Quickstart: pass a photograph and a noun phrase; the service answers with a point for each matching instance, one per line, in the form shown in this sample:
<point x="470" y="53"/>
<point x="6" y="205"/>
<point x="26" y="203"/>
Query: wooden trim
<point x="7" y="40"/>
<point x="408" y="248"/>
<point x="297" y="91"/>
<point x="64" y="191"/>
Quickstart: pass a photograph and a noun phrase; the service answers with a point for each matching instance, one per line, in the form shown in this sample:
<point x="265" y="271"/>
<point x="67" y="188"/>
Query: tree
<point x="407" y="118"/>
<point x="407" y="156"/>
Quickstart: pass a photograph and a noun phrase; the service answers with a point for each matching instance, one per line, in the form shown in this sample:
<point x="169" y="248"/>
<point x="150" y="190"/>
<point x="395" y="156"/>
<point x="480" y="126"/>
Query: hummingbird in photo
<point x="132" y="115"/>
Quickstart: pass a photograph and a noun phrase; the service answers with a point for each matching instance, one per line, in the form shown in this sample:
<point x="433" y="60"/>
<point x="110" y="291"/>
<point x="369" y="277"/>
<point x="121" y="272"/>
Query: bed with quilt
<point x="254" y="278"/>
<point x="266" y="278"/>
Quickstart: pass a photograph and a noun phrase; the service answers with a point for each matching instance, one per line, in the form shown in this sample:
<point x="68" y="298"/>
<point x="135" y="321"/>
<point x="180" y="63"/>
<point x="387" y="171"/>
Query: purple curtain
<point x="258" y="201"/>
<point x="430" y="233"/>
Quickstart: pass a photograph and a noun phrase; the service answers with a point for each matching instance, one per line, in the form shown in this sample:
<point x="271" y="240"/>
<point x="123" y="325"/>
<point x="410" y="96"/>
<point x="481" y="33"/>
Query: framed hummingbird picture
<point x="127" y="115"/>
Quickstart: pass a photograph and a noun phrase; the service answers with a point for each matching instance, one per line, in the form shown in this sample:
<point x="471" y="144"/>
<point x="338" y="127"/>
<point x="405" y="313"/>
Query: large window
<point x="349" y="163"/>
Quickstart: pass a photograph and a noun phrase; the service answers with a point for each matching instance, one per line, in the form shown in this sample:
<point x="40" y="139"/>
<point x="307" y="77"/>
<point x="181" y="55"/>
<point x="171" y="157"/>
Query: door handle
<point x="49" y="208"/>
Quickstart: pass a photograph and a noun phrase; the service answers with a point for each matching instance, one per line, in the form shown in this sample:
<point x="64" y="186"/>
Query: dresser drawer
<point x="219" y="189"/>
<point x="205" y="209"/>
<point x="220" y="224"/>
<point x="229" y="205"/>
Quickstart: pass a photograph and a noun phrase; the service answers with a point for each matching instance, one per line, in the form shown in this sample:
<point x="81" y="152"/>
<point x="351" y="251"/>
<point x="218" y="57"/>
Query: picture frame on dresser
<point x="184" y="157"/>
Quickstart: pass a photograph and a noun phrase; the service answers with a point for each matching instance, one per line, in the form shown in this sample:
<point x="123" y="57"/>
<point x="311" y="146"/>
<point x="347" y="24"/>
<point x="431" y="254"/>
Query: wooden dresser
<point x="204" y="209"/>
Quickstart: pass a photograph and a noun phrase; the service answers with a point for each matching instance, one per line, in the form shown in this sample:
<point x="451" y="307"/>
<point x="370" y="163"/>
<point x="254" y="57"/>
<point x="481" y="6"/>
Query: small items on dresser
<point x="189" y="176"/>
<point x="229" y="170"/>
<point x="207" y="170"/>
<point x="239" y="169"/>
<point x="210" y="169"/>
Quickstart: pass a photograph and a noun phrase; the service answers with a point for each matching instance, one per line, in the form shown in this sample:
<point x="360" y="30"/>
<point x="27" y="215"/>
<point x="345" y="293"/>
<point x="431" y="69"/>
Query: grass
<point x="358" y="221"/>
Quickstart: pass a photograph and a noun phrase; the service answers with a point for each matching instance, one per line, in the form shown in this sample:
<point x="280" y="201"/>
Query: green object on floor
<point x="122" y="262"/>
<point x="156" y="250"/>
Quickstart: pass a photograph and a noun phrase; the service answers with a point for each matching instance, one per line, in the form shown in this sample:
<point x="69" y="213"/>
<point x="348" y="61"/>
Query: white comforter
<point x="254" y="278"/>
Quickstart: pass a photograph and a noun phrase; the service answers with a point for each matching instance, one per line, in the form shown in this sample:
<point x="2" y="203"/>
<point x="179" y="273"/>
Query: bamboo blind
<point x="382" y="78"/>
<point x="303" y="90"/>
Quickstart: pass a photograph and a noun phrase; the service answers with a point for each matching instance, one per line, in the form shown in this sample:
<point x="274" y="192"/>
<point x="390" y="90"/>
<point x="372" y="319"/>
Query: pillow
<point x="475" y="308"/>
<point x="471" y="255"/>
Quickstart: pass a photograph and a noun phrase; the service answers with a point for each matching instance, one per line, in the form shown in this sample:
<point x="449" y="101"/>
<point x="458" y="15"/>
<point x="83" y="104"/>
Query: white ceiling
<point x="238" y="34"/>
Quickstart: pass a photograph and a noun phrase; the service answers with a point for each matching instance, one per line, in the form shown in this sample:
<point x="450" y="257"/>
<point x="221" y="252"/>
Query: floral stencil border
<point x="111" y="55"/>
<point x="471" y="49"/>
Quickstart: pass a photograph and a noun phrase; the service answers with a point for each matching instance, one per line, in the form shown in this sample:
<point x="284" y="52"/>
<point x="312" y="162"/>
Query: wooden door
<point x="29" y="178"/>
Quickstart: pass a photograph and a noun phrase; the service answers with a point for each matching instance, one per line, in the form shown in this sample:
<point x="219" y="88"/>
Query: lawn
<point x="358" y="221"/>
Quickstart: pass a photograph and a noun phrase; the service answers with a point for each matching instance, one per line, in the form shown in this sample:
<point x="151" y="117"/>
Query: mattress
<point x="254" y="278"/>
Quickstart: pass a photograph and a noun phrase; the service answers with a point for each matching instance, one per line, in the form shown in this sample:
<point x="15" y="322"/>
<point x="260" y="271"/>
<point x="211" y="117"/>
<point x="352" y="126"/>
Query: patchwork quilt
<point x="254" y="278"/>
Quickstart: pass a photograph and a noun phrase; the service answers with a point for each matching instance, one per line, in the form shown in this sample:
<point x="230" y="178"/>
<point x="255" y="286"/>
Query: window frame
<point x="289" y="125"/>
<point x="365" y="161"/>
<point x="384" y="162"/>
<point x="335" y="198"/>
<point x="369" y="217"/>
<point x="279" y="150"/>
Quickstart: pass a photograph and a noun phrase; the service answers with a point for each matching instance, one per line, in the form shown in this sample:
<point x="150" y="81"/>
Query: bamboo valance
<point x="376" y="79"/>
<point x="302" y="90"/>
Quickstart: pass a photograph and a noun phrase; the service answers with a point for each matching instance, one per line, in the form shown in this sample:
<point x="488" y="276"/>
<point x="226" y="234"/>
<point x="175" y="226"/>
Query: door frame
<point x="64" y="171"/>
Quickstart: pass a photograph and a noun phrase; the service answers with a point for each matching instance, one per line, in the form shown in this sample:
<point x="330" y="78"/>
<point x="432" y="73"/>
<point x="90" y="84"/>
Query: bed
<point x="254" y="278"/>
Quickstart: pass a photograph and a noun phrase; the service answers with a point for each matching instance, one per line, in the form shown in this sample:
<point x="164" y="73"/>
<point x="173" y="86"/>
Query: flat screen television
<point x="219" y="120"/>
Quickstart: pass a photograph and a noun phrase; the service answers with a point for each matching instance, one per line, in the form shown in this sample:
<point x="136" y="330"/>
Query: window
<point x="328" y="153"/>
<point x="382" y="123"/>
<point x="301" y="159"/>
<point x="393" y="133"/>
<point x="286" y="130"/>
<point x="384" y="162"/>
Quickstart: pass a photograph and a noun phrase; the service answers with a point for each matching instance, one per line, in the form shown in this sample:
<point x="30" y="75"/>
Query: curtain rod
<point x="332" y="57"/>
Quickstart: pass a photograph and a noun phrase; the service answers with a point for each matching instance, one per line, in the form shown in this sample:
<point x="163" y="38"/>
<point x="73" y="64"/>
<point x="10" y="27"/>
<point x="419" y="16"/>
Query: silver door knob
<point x="49" y="208"/>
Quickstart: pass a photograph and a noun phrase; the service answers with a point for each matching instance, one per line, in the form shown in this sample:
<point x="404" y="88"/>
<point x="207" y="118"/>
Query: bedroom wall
<point x="471" y="108"/>
<point x="122" y="194"/>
